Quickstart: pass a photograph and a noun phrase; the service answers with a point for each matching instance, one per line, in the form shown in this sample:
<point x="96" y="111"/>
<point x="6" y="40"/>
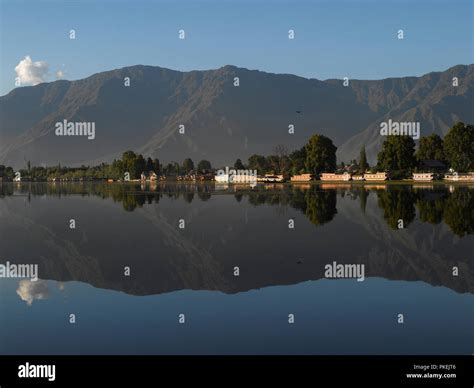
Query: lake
<point x="213" y="269"/>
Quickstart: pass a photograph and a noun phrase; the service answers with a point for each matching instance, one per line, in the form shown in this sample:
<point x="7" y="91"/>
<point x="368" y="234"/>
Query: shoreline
<point x="314" y="182"/>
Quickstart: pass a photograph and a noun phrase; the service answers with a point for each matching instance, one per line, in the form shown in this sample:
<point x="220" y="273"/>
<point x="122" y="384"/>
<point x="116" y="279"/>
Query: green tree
<point x="188" y="165"/>
<point x="363" y="165"/>
<point x="9" y="172"/>
<point x="156" y="166"/>
<point x="430" y="148"/>
<point x="204" y="165"/>
<point x="320" y="154"/>
<point x="129" y="164"/>
<point x="168" y="169"/>
<point x="140" y="165"/>
<point x="281" y="152"/>
<point x="297" y="160"/>
<point x="272" y="163"/>
<point x="459" y="147"/>
<point x="397" y="156"/>
<point x="149" y="165"/>
<point x="238" y="165"/>
<point x="257" y="162"/>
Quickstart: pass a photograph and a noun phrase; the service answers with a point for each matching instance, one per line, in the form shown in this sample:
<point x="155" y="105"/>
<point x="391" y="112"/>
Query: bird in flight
<point x="298" y="111"/>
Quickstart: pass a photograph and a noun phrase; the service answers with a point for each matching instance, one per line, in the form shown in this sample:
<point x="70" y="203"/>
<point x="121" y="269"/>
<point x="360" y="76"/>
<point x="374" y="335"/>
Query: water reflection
<point x="435" y="203"/>
<point x="227" y="228"/>
<point x="29" y="290"/>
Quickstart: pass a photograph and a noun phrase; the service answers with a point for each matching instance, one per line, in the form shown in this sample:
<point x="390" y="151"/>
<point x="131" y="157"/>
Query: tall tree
<point x="204" y="165"/>
<point x="188" y="165"/>
<point x="128" y="163"/>
<point x="238" y="165"/>
<point x="156" y="166"/>
<point x="459" y="147"/>
<point x="281" y="152"/>
<point x="297" y="159"/>
<point x="257" y="162"/>
<point x="272" y="163"/>
<point x="363" y="165"/>
<point x="140" y="165"/>
<point x="149" y="165"/>
<point x="320" y="154"/>
<point x="397" y="156"/>
<point x="430" y="148"/>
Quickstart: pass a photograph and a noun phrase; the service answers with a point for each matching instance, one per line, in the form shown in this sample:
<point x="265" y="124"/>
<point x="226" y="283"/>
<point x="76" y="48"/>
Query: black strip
<point x="225" y="370"/>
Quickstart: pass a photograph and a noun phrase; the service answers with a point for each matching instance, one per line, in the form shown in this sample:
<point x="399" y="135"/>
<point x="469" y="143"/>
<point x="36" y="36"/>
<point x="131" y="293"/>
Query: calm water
<point x="190" y="271"/>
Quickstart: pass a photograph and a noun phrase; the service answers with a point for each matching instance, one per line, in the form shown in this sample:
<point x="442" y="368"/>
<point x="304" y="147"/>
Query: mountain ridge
<point x="222" y="121"/>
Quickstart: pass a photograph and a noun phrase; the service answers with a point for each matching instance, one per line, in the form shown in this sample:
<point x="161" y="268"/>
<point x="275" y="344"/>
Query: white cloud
<point x="60" y="74"/>
<point x="30" y="290"/>
<point x="31" y="73"/>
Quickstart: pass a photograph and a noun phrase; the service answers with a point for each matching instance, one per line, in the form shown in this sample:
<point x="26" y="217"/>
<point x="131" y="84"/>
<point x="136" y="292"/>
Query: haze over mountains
<point x="222" y="122"/>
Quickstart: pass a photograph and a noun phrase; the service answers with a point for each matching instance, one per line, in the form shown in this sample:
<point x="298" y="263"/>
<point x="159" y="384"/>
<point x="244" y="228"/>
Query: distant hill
<point x="222" y="122"/>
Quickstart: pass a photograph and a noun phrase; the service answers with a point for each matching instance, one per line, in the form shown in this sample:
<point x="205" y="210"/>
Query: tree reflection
<point x="319" y="204"/>
<point x="430" y="205"/>
<point x="397" y="204"/>
<point x="459" y="212"/>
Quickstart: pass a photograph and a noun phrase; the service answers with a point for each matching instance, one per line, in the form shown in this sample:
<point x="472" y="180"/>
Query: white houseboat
<point x="423" y="176"/>
<point x="377" y="176"/>
<point x="335" y="177"/>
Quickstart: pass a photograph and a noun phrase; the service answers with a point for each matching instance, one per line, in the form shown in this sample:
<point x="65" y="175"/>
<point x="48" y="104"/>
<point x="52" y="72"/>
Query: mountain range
<point x="222" y="122"/>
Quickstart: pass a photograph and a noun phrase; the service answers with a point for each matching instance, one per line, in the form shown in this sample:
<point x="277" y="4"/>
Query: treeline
<point x="397" y="156"/>
<point x="455" y="151"/>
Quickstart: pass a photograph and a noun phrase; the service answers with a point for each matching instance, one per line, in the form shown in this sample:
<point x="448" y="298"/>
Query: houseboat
<point x="235" y="178"/>
<point x="302" y="178"/>
<point x="335" y="177"/>
<point x="270" y="178"/>
<point x="423" y="176"/>
<point x="358" y="177"/>
<point x="377" y="176"/>
<point x="460" y="177"/>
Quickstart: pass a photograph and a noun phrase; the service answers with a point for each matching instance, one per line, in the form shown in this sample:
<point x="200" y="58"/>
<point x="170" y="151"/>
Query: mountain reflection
<point x="234" y="226"/>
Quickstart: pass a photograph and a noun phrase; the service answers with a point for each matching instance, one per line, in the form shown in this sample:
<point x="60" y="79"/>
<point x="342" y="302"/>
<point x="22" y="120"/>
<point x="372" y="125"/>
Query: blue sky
<point x="333" y="39"/>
